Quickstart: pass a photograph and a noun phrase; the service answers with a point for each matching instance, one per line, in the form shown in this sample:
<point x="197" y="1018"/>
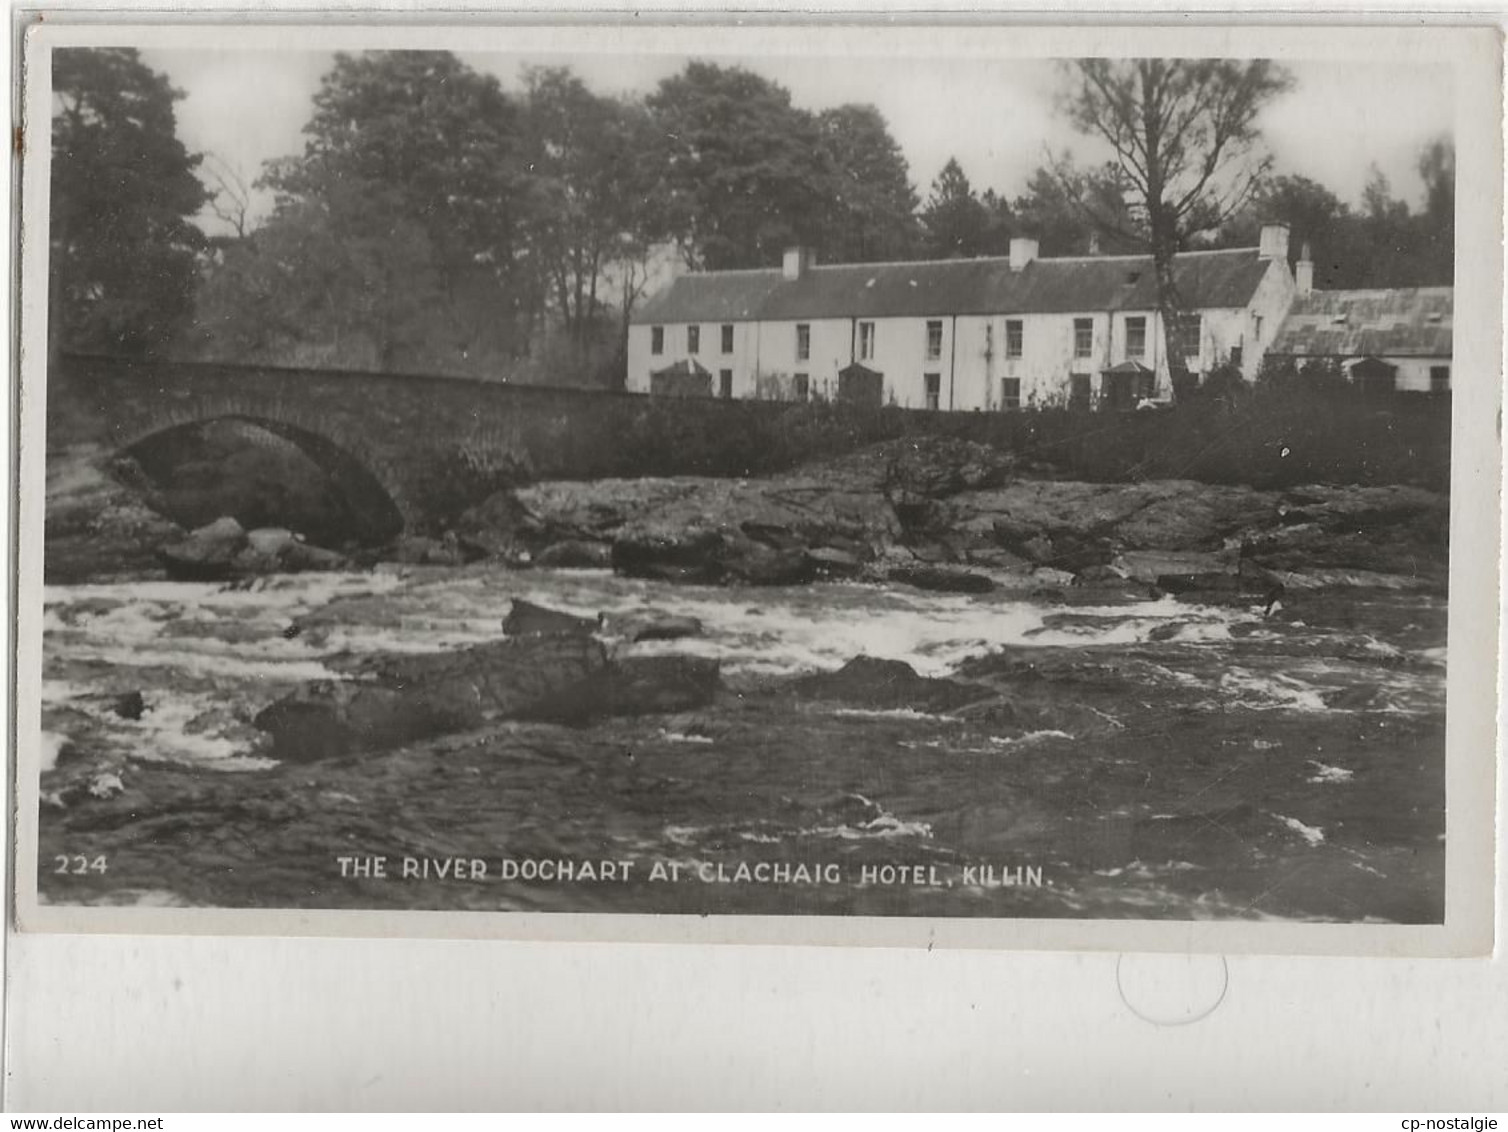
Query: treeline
<point x="438" y="222"/>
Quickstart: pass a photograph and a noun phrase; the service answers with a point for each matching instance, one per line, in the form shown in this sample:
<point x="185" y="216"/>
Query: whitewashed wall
<point x="973" y="358"/>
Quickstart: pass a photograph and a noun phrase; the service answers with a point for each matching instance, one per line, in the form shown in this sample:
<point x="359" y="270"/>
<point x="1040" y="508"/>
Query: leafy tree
<point x="1317" y="220"/>
<point x="346" y="280"/>
<point x="1073" y="211"/>
<point x="1184" y="132"/>
<point x="742" y="172"/>
<point x="590" y="181"/>
<point x="1437" y="168"/>
<point x="955" y="222"/>
<point x="873" y="204"/>
<point x="123" y="197"/>
<point x="413" y="178"/>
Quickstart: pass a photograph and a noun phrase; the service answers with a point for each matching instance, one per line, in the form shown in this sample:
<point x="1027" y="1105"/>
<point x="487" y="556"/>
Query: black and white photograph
<point x="681" y="479"/>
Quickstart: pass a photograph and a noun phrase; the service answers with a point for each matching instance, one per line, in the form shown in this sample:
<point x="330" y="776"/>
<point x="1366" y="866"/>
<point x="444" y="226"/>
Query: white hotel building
<point x="990" y="333"/>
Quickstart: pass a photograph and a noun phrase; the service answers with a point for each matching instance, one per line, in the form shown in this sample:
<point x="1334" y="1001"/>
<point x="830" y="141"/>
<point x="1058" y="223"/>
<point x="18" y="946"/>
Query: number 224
<point x="80" y="865"/>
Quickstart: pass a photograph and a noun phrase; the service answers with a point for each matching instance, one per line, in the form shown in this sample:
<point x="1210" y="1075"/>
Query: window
<point x="803" y="387"/>
<point x="934" y="339"/>
<point x="1013" y="338"/>
<point x="866" y="341"/>
<point x="934" y="390"/>
<point x="1083" y="337"/>
<point x="656" y="339"/>
<point x="1190" y="334"/>
<point x="727" y="337"/>
<point x="803" y="341"/>
<point x="1257" y="329"/>
<point x="693" y="339"/>
<point x="1439" y="379"/>
<point x="725" y="383"/>
<point x="1136" y="337"/>
<point x="1010" y="392"/>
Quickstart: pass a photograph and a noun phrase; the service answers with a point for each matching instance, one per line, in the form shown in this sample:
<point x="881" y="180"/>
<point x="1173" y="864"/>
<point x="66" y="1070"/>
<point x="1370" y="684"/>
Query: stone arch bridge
<point x="404" y="430"/>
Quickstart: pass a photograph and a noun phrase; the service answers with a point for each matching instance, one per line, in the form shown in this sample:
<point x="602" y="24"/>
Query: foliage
<point x="955" y="222"/>
<point x="1382" y="244"/>
<point x="124" y="194"/>
<point x="1076" y="211"/>
<point x="1184" y="132"/>
<point x="397" y="235"/>
<point x="1263" y="439"/>
<point x="590" y="177"/>
<point x="872" y="208"/>
<point x="742" y="172"/>
<point x="347" y="281"/>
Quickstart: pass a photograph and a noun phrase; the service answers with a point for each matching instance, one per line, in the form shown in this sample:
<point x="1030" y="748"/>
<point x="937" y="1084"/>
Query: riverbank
<point x="936" y="513"/>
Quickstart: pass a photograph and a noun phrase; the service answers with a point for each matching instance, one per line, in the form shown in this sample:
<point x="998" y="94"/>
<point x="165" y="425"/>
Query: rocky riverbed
<point x="916" y="680"/>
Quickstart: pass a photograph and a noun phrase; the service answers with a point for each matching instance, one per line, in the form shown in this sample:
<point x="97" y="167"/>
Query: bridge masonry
<point x="404" y="429"/>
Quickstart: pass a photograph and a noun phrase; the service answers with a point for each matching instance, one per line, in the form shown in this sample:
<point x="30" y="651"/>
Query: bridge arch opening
<point x="263" y="473"/>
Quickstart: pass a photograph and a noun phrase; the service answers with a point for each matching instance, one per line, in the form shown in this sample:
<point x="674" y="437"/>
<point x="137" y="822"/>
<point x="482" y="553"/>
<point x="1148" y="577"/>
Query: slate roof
<point x="1130" y="366"/>
<point x="686" y="367"/>
<point x="1403" y="322"/>
<point x="1080" y="284"/>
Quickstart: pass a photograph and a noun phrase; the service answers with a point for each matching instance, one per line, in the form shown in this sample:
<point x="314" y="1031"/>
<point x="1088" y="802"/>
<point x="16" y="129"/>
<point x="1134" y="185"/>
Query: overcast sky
<point x="997" y="118"/>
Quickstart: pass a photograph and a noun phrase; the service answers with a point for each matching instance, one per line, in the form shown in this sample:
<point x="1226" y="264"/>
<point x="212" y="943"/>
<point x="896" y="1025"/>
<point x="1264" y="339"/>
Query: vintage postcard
<point x="962" y="484"/>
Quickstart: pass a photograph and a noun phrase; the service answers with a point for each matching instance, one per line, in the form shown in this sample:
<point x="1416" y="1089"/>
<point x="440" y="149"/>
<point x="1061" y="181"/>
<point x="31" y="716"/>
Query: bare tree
<point x="1184" y="132"/>
<point x="231" y="202"/>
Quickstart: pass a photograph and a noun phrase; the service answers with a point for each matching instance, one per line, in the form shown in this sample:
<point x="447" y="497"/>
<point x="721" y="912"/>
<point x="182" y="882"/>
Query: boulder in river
<point x="398" y="698"/>
<point x="877" y="683"/>
<point x="407" y="697"/>
<point x="576" y="554"/>
<point x="677" y="556"/>
<point x="642" y="685"/>
<point x="942" y="580"/>
<point x="756" y="564"/>
<point x="834" y="562"/>
<point x="526" y="619"/>
<point x="299" y="556"/>
<point x="651" y="625"/>
<point x="208" y="554"/>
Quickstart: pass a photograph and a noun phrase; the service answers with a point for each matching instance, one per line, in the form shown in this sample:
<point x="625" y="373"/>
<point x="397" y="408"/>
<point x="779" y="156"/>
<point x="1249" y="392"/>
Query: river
<point x="1152" y="759"/>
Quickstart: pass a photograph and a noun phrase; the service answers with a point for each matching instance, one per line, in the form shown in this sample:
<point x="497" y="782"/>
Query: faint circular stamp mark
<point x="1172" y="990"/>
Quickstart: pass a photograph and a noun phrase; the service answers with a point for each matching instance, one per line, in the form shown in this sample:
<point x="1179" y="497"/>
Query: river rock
<point x="130" y="705"/>
<point x="207" y="555"/>
<point x="756" y="564"/>
<point x="393" y="699"/>
<point x="270" y="541"/>
<point x="640" y="685"/>
<point x="576" y="554"/>
<point x="833" y="562"/>
<point x="526" y="619"/>
<point x="880" y="684"/>
<point x="674" y="556"/>
<point x="650" y="625"/>
<point x="938" y="466"/>
<point x="299" y="556"/>
<point x="941" y="579"/>
<point x="402" y="698"/>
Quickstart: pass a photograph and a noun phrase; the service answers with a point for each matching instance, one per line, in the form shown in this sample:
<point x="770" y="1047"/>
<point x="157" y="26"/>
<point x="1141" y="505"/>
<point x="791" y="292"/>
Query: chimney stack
<point x="1023" y="251"/>
<point x="1094" y="243"/>
<point x="1303" y="273"/>
<point x="798" y="260"/>
<point x="1274" y="243"/>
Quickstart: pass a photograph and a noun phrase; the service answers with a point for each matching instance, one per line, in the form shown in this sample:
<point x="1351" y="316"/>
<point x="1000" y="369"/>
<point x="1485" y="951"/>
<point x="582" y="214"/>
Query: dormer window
<point x="1133" y="277"/>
